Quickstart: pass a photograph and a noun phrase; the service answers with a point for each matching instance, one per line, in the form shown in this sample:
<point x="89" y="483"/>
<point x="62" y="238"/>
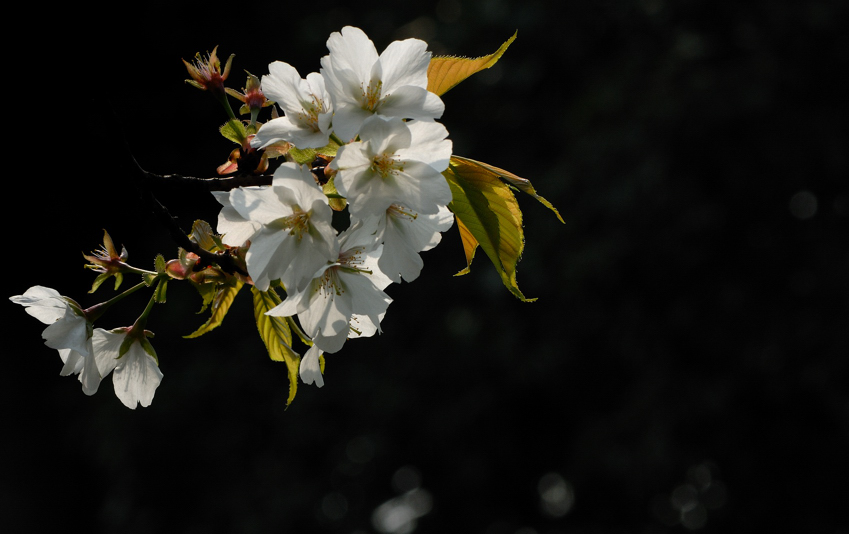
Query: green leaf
<point x="337" y="202"/>
<point x="276" y="335"/>
<point x="489" y="216"/>
<point x="203" y="235"/>
<point x="235" y="131"/>
<point x="159" y="263"/>
<point x="149" y="279"/>
<point x="306" y="156"/>
<point x="224" y="297"/>
<point x="159" y="292"/>
<point x="444" y="72"/>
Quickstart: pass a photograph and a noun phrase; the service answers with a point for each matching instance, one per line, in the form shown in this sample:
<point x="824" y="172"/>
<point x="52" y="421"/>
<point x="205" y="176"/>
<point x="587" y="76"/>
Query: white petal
<point x="90" y="375"/>
<point x="258" y="204"/>
<point x="68" y="332"/>
<point x="43" y="303"/>
<point x="404" y="63"/>
<point x="106" y="346"/>
<point x="310" y="368"/>
<point x="352" y="51"/>
<point x="136" y="377"/>
<point x="348" y="118"/>
<point x="411" y="102"/>
<point x="74" y="362"/>
<point x="428" y="144"/>
<point x="282" y="84"/>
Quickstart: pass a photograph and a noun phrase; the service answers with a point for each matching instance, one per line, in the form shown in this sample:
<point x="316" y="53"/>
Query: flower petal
<point x="310" y="367"/>
<point x="136" y="377"/>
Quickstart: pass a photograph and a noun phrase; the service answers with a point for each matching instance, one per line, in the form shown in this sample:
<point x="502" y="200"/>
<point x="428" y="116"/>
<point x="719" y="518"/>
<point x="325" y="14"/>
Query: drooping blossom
<point x="68" y="331"/>
<point x="133" y="364"/>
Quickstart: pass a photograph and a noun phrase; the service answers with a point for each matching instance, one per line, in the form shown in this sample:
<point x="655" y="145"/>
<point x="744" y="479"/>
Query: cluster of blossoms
<point x="93" y="353"/>
<point x="388" y="168"/>
<point x="388" y="154"/>
<point x="366" y="182"/>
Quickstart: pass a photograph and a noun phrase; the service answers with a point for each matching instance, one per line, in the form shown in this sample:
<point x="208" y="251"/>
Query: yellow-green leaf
<point x="224" y="297"/>
<point x="203" y="235"/>
<point x="470" y="245"/>
<point x="522" y="184"/>
<point x="444" y="72"/>
<point x="276" y="335"/>
<point x="486" y="208"/>
<point x="305" y="156"/>
<point x="234" y="130"/>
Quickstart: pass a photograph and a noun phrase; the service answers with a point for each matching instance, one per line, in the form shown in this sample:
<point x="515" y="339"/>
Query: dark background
<point x="684" y="369"/>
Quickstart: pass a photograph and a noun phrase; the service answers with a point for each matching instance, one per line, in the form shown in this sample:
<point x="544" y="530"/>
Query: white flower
<point x="310" y="368"/>
<point x="306" y="106"/>
<point x="287" y="223"/>
<point x="132" y="362"/>
<point x="68" y="327"/>
<point x="361" y="83"/>
<point x="405" y="234"/>
<point x="69" y="332"/>
<point x="351" y="286"/>
<point x="395" y="162"/>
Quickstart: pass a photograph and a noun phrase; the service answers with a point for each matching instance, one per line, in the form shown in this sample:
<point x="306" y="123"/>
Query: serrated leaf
<point x="203" y="235"/>
<point x="159" y="264"/>
<point x="305" y="156"/>
<point x="444" y="72"/>
<point x="470" y="245"/>
<point x="235" y="131"/>
<point x="224" y="297"/>
<point x="488" y="211"/>
<point x="276" y="335"/>
<point x="522" y="184"/>
<point x="207" y="293"/>
<point x="149" y="279"/>
<point x="159" y="292"/>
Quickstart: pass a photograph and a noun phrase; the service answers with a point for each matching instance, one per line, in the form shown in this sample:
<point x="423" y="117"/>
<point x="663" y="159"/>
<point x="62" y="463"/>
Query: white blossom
<point x="68" y="331"/>
<point x="405" y="233"/>
<point x="67" y="326"/>
<point x="362" y="83"/>
<point x="350" y="286"/>
<point x="288" y="225"/>
<point x="132" y="362"/>
<point x="394" y="162"/>
<point x="306" y="105"/>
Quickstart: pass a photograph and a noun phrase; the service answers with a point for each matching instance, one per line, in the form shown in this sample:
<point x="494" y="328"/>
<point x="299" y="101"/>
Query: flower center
<point x="310" y="112"/>
<point x="371" y="95"/>
<point x="297" y="224"/>
<point x="328" y="284"/>
<point x="386" y="164"/>
<point x="401" y="212"/>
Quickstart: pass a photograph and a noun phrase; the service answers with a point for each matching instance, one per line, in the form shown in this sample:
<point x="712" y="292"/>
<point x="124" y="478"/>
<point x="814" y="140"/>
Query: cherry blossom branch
<point x="209" y="184"/>
<point x="224" y="261"/>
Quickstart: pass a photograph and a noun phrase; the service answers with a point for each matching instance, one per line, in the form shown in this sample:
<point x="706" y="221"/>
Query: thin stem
<point x="93" y="313"/>
<point x="335" y="139"/>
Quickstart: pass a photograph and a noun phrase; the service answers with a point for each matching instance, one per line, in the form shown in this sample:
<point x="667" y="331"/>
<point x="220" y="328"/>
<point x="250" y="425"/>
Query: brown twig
<point x="223" y="260"/>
